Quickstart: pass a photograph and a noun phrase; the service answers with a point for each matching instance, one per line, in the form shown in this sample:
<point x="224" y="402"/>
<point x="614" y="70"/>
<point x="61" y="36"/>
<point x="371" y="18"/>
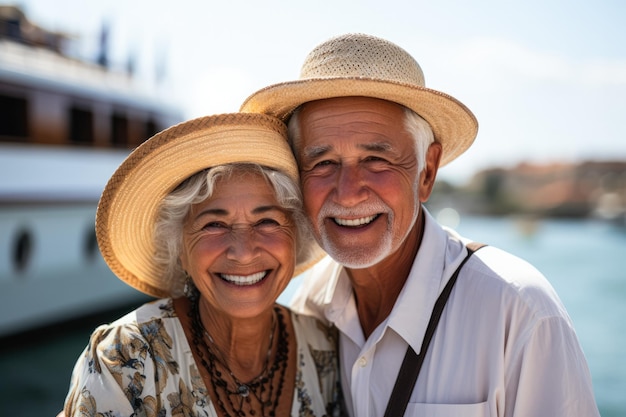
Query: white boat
<point x="65" y="126"/>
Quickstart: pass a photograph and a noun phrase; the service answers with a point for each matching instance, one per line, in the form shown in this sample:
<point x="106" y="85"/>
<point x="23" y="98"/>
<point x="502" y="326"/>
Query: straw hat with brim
<point x="127" y="210"/>
<point x="363" y="65"/>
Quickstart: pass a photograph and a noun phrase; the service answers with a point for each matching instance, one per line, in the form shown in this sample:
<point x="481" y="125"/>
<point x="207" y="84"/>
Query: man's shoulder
<point x="494" y="272"/>
<point x="509" y="268"/>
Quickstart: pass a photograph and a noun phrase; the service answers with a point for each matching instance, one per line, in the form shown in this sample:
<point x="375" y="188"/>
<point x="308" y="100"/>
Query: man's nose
<point x="350" y="186"/>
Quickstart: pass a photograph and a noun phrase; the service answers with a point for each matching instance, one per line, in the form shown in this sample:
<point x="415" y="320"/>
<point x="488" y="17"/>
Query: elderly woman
<point x="206" y="215"/>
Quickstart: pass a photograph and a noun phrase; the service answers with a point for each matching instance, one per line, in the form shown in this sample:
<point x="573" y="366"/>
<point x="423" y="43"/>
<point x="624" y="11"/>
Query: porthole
<point x="91" y="244"/>
<point x="22" y="250"/>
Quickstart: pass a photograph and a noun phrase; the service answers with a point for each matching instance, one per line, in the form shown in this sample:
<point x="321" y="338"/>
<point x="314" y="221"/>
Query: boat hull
<point x="51" y="269"/>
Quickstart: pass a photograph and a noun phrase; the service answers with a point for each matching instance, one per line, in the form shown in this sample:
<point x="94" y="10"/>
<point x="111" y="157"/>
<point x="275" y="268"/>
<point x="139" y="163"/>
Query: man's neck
<point x="377" y="288"/>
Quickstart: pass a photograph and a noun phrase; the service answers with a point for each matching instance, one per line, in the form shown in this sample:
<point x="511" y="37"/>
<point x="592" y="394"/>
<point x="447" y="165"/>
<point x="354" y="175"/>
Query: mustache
<point x="370" y="208"/>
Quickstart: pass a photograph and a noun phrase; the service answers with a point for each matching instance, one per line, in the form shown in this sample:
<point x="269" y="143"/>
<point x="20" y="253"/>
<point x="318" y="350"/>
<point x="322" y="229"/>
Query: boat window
<point x="119" y="130"/>
<point x="14" y="120"/>
<point x="81" y="126"/>
<point x="91" y="250"/>
<point x="151" y="129"/>
<point x="11" y="28"/>
<point x="22" y="250"/>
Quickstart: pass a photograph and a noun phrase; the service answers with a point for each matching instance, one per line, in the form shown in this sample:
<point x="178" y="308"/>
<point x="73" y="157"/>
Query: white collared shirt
<point x="505" y="345"/>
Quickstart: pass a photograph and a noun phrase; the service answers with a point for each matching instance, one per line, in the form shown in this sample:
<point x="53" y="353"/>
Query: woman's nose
<point x="243" y="244"/>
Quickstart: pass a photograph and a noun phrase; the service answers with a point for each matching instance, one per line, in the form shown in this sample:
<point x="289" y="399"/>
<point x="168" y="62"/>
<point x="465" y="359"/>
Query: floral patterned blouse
<point x="142" y="365"/>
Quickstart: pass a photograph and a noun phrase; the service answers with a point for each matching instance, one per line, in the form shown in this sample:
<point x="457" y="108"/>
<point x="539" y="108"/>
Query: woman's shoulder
<point x="152" y="310"/>
<point x="136" y="326"/>
<point x="317" y="334"/>
<point x="317" y="381"/>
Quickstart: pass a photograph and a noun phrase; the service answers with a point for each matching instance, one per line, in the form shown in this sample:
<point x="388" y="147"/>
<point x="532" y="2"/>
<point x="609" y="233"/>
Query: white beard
<point x="353" y="255"/>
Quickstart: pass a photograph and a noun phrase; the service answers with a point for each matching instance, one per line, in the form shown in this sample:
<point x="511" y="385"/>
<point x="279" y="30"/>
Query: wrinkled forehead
<point x="369" y="124"/>
<point x="338" y="106"/>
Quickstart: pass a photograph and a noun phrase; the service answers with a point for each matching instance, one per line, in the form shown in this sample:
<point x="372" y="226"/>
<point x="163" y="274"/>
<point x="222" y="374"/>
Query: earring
<point x="190" y="290"/>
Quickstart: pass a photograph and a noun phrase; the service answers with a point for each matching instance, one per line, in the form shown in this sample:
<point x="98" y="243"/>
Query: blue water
<point x="584" y="260"/>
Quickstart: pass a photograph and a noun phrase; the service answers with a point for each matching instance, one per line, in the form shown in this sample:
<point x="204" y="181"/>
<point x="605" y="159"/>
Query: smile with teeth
<point x="355" y="222"/>
<point x="244" y="279"/>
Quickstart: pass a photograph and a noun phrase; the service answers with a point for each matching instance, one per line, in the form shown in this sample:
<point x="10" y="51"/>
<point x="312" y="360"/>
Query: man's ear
<point x="429" y="173"/>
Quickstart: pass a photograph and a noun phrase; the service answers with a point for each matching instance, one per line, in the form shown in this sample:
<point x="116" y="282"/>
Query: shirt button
<point x="362" y="362"/>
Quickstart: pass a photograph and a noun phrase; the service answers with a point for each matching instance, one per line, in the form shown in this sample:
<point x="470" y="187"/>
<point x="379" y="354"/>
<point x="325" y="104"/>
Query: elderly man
<point x="427" y="328"/>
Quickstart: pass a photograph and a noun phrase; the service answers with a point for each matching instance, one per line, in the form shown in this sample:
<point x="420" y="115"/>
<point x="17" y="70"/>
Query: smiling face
<point x="239" y="246"/>
<point x="360" y="180"/>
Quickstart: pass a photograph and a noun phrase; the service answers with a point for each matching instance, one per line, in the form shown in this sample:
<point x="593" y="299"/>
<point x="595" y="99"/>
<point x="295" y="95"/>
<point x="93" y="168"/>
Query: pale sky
<point x="545" y="78"/>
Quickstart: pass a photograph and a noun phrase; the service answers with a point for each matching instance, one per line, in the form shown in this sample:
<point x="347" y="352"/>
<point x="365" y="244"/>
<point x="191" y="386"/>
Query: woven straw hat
<point x="127" y="210"/>
<point x="363" y="65"/>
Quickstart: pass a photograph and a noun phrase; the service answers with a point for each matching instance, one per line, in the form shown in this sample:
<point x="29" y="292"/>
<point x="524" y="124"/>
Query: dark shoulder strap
<point x="412" y="363"/>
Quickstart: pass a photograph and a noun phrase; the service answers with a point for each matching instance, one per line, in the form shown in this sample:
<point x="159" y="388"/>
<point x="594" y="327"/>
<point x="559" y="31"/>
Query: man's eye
<point x="375" y="163"/>
<point x="324" y="163"/>
<point x="375" y="159"/>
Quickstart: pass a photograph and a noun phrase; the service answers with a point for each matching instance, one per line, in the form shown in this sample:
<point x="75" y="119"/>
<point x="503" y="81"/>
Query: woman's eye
<point x="267" y="223"/>
<point x="215" y="227"/>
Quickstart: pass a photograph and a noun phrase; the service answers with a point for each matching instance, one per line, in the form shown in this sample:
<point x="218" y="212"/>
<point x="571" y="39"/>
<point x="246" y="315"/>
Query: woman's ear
<point x="182" y="260"/>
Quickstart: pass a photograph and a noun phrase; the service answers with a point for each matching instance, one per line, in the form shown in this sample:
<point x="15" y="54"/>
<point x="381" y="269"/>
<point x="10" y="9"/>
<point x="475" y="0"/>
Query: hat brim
<point x="453" y="124"/>
<point x="128" y="208"/>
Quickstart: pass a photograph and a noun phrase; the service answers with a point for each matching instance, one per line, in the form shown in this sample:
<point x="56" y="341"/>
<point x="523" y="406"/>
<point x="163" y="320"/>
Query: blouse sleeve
<point x="112" y="375"/>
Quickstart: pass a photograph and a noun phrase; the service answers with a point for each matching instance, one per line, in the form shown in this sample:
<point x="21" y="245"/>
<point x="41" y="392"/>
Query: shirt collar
<point x="439" y="254"/>
<point x="411" y="313"/>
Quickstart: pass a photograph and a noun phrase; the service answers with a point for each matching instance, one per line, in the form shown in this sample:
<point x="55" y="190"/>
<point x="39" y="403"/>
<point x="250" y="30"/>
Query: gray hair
<point x="168" y="234"/>
<point x="415" y="125"/>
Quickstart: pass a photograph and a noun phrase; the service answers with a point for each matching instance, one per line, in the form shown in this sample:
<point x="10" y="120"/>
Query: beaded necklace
<point x="261" y="387"/>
